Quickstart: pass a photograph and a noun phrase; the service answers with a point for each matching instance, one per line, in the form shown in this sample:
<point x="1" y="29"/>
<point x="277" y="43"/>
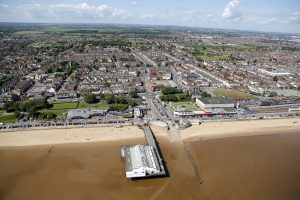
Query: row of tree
<point x="29" y="106"/>
<point x="116" y="103"/>
<point x="174" y="94"/>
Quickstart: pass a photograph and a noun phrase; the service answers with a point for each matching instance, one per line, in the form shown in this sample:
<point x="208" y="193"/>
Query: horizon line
<point x="139" y="24"/>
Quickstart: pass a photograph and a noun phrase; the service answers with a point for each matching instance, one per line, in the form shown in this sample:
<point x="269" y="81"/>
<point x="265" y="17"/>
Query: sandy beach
<point x="67" y="136"/>
<point x="213" y="130"/>
<point x="207" y="130"/>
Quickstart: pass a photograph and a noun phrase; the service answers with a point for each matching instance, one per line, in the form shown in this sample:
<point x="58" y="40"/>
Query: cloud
<point x="133" y="3"/>
<point x="79" y="12"/>
<point x="149" y="16"/>
<point x="294" y="18"/>
<point x="233" y="10"/>
<point x="193" y="15"/>
<point x="3" y="5"/>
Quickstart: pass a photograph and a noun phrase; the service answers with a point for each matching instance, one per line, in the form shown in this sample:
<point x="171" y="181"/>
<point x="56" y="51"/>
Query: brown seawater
<point x="257" y="167"/>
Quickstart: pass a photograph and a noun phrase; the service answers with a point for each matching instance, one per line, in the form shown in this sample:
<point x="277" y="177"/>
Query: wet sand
<point x="252" y="167"/>
<point x="89" y="171"/>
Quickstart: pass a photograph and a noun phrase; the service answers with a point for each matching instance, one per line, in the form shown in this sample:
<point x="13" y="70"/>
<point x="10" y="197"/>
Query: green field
<point x="64" y="106"/>
<point x="245" y="47"/>
<point x="58" y="112"/>
<point x="232" y="94"/>
<point x="8" y="119"/>
<point x="188" y="105"/>
<point x="215" y="58"/>
<point x="28" y="32"/>
<point x="100" y="105"/>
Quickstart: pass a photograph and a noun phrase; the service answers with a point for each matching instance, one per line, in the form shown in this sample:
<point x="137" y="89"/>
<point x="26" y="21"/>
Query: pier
<point x="152" y="142"/>
<point x="143" y="161"/>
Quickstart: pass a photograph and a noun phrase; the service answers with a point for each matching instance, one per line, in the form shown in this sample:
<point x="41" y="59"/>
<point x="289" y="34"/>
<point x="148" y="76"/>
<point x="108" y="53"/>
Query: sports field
<point x="232" y="94"/>
<point x="99" y="105"/>
<point x="63" y="106"/>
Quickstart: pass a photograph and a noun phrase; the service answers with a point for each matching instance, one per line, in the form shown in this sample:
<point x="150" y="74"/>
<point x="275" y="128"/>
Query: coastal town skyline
<point x="139" y="99"/>
<point x="267" y="16"/>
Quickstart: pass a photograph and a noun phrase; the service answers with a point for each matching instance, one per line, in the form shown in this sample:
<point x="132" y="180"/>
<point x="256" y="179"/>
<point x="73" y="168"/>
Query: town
<point x="85" y="75"/>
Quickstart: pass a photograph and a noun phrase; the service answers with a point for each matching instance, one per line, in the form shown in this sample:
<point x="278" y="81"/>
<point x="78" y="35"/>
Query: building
<point x="256" y="90"/>
<point x="269" y="73"/>
<point x="141" y="161"/>
<point x="85" y="113"/>
<point x="137" y="112"/>
<point x="214" y="102"/>
<point x="23" y="86"/>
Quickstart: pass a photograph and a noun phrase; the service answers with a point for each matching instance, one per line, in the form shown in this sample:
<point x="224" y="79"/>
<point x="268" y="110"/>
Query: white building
<point x="255" y="89"/>
<point x="266" y="72"/>
<point x="214" y="102"/>
<point x="141" y="161"/>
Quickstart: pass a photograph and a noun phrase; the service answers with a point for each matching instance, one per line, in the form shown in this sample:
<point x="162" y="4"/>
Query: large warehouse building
<point x="141" y="161"/>
<point x="214" y="102"/>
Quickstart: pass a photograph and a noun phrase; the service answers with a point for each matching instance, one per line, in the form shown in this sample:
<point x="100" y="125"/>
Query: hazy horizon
<point x="281" y="16"/>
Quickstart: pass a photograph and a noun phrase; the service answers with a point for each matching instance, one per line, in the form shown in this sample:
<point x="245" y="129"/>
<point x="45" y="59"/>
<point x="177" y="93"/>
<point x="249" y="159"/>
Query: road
<point x="143" y="58"/>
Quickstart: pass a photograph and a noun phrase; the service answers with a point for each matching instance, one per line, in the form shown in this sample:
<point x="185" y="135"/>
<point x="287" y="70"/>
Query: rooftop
<point x="216" y="100"/>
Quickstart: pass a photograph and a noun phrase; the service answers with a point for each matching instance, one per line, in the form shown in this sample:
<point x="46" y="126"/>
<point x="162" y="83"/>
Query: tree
<point x="114" y="58"/>
<point x="205" y="94"/>
<point x="133" y="94"/>
<point x="275" y="78"/>
<point x="109" y="98"/>
<point x="272" y="94"/>
<point x="17" y="114"/>
<point x="120" y="100"/>
<point x="170" y="90"/>
<point x="107" y="84"/>
<point x="91" y="98"/>
<point x="118" y="107"/>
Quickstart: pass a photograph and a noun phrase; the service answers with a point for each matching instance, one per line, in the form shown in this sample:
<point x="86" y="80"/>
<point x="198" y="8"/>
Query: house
<point x="23" y="86"/>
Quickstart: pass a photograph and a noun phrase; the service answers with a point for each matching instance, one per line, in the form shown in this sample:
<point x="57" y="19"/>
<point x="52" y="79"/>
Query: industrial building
<point x="214" y="102"/>
<point x="141" y="161"/>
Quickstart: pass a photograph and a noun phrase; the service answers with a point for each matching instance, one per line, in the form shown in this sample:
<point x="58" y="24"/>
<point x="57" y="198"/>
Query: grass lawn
<point x="8" y="119"/>
<point x="58" y="112"/>
<point x="61" y="114"/>
<point x="187" y="105"/>
<point x="215" y="58"/>
<point x="232" y="94"/>
<point x="100" y="105"/>
<point x="64" y="106"/>
<point x="2" y="112"/>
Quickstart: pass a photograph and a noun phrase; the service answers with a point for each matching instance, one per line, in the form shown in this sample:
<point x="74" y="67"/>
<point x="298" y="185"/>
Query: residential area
<point x="51" y="76"/>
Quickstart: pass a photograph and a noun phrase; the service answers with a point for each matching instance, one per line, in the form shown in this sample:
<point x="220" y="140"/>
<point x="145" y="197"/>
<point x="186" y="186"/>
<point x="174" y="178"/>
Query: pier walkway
<point x="152" y="142"/>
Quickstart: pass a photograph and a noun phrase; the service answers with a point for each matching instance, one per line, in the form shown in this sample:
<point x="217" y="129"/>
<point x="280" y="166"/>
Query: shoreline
<point x="205" y="131"/>
<point x="68" y="136"/>
<point x="226" y="129"/>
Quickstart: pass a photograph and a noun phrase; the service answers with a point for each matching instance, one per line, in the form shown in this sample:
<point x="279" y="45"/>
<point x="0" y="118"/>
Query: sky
<point x="256" y="15"/>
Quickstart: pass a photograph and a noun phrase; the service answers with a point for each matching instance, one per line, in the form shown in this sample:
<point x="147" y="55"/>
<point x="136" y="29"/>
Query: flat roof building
<point x="214" y="102"/>
<point x="85" y="113"/>
<point x="141" y="161"/>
